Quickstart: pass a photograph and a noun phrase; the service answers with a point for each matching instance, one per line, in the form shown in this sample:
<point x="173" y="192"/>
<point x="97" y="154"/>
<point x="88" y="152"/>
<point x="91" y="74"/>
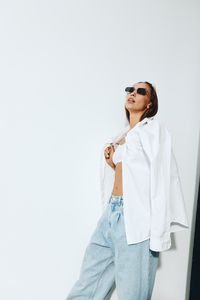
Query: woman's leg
<point x="135" y="264"/>
<point x="97" y="278"/>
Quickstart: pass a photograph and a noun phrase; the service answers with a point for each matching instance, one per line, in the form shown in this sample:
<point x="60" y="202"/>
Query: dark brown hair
<point x="153" y="107"/>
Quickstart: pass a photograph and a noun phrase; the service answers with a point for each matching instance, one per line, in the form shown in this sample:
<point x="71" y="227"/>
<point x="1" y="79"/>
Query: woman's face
<point x="136" y="102"/>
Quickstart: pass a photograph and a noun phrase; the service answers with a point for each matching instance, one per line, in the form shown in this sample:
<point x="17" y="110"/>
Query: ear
<point x="149" y="104"/>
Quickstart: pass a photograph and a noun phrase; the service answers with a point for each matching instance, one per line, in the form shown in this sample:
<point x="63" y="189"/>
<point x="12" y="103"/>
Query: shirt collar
<point x="146" y="120"/>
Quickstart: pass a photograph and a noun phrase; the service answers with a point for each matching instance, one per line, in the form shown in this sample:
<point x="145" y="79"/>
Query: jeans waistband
<point x="116" y="199"/>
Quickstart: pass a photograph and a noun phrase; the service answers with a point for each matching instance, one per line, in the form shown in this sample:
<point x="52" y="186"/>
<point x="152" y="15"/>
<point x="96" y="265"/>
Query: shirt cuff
<point x="159" y="243"/>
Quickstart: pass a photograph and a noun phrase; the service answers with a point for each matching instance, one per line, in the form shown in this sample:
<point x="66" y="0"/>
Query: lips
<point x="131" y="100"/>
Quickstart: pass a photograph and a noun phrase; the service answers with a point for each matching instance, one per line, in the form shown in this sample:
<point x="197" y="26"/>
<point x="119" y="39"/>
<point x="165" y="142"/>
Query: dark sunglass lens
<point x="141" y="91"/>
<point x="129" y="89"/>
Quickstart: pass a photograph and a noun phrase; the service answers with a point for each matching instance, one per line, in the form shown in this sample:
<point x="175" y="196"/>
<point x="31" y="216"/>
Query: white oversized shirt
<point x="153" y="198"/>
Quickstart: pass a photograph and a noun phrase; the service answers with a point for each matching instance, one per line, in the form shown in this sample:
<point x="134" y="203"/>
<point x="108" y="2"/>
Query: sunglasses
<point x="141" y="91"/>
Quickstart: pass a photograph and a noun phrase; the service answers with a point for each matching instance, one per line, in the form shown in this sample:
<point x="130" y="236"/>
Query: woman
<point x="142" y="204"/>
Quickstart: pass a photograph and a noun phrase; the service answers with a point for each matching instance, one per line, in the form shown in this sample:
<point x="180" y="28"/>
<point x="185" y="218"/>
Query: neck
<point x="135" y="118"/>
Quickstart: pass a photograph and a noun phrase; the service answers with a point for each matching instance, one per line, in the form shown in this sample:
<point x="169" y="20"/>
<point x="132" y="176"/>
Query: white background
<point x="63" y="69"/>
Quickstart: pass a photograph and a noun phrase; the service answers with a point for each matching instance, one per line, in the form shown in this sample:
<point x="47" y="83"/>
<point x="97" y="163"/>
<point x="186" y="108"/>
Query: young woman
<point x="142" y="204"/>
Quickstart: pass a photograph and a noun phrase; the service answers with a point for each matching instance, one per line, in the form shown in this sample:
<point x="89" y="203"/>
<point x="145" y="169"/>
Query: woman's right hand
<point x="108" y="154"/>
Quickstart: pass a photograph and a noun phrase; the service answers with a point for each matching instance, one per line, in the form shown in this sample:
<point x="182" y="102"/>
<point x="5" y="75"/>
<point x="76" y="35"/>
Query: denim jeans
<point x="109" y="262"/>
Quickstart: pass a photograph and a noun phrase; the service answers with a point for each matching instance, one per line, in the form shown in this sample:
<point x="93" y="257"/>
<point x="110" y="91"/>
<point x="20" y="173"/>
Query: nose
<point x="133" y="93"/>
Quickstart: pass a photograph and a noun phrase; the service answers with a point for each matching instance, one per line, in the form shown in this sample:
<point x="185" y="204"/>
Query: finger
<point x="106" y="152"/>
<point x="112" y="149"/>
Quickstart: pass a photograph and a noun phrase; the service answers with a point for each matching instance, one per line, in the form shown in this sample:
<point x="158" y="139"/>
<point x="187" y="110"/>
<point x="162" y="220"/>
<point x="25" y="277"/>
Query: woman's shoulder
<point x="154" y="130"/>
<point x="155" y="123"/>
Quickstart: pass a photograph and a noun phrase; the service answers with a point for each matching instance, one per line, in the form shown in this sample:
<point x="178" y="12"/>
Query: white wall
<point x="63" y="69"/>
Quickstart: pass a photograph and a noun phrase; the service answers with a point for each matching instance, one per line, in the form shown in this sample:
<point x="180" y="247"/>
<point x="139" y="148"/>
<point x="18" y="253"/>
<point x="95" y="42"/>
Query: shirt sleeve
<point x="106" y="177"/>
<point x="156" y="142"/>
<point x="107" y="173"/>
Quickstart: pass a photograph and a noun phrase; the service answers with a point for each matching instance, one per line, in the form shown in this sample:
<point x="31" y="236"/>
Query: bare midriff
<point x="117" y="188"/>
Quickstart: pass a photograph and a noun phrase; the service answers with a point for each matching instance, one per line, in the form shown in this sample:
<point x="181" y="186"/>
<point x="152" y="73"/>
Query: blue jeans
<point x="110" y="262"/>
